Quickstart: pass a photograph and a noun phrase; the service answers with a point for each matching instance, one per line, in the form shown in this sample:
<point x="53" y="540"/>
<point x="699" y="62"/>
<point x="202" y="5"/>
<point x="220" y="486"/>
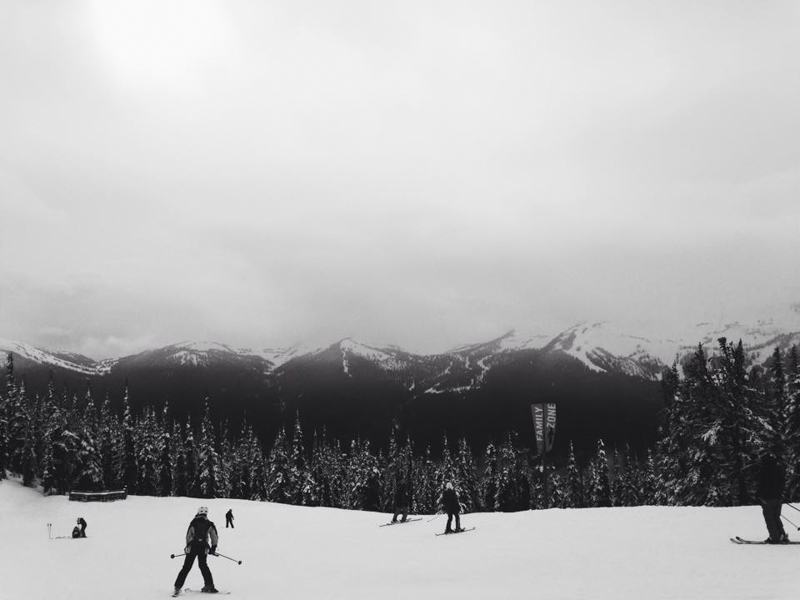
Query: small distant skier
<point x="771" y="479"/>
<point x="229" y="518"/>
<point x="450" y="504"/>
<point x="79" y="531"/>
<point x="201" y="531"/>
<point x="402" y="500"/>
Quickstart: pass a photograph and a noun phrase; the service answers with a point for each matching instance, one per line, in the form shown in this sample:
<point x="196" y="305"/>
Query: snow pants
<point x="772" y="517"/>
<point x="450" y="516"/>
<point x="202" y="561"/>
<point x="400" y="509"/>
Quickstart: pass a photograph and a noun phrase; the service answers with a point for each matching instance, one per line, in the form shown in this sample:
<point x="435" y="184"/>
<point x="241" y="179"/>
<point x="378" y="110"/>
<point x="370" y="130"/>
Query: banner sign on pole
<point x="544" y="423"/>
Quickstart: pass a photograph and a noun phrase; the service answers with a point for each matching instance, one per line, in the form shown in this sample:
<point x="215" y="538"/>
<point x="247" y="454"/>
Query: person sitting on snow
<point x="79" y="531"/>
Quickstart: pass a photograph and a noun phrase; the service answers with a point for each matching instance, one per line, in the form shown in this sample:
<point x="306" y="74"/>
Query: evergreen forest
<point x="721" y="416"/>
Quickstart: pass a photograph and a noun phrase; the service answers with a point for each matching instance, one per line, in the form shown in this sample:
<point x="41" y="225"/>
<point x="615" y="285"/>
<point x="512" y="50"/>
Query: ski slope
<point x="297" y="553"/>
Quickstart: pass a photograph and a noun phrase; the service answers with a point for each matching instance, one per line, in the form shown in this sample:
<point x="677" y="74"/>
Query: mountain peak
<point x="63" y="360"/>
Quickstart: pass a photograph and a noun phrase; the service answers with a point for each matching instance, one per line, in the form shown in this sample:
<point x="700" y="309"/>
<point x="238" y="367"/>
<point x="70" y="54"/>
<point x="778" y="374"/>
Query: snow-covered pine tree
<point x="490" y="475"/>
<point x="446" y="471"/>
<point x="16" y="417"/>
<point x="108" y="437"/>
<point x="58" y="458"/>
<point x="690" y="447"/>
<point x="504" y="483"/>
<point x="165" y="468"/>
<point x="31" y="449"/>
<point x="191" y="459"/>
<point x="227" y="460"/>
<point x="648" y="482"/>
<point x="513" y="477"/>
<point x="362" y="478"/>
<point x="793" y="424"/>
<point x="334" y="469"/>
<point x="557" y="484"/>
<point x="207" y="457"/>
<point x="394" y="472"/>
<point x="426" y="492"/>
<point x="302" y="484"/>
<point x="234" y="460"/>
<point x="735" y="416"/>
<point x="255" y="466"/>
<point x="467" y="475"/>
<point x="125" y="452"/>
<point x="573" y="492"/>
<point x="599" y="478"/>
<point x="89" y="470"/>
<point x="279" y="485"/>
<point x="5" y="410"/>
<point x="180" y="474"/>
<point x="673" y="431"/>
<point x="626" y="487"/>
<point x="320" y="492"/>
<point x="148" y="452"/>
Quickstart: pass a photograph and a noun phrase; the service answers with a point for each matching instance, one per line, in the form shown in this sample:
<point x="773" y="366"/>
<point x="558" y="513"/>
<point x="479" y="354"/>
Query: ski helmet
<point x="202" y="511"/>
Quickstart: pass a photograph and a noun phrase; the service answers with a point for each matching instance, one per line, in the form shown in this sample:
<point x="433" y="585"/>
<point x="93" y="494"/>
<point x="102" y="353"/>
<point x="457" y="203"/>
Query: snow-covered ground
<point x="295" y="553"/>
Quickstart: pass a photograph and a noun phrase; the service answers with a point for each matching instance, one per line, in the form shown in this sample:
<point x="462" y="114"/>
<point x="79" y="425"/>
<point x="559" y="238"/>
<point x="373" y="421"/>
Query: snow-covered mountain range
<point x="603" y="376"/>
<point x="600" y="346"/>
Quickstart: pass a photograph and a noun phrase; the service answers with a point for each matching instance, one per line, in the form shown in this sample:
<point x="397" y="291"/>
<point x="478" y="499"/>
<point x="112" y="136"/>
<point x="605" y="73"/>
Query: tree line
<point x="721" y="415"/>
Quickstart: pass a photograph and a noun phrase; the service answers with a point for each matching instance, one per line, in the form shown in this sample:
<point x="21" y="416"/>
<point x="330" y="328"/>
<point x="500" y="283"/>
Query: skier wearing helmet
<point x="201" y="539"/>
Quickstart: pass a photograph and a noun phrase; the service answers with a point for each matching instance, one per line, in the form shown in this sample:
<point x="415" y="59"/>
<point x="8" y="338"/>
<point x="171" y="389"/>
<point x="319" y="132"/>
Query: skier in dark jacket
<point x="201" y="532"/>
<point x="771" y="479"/>
<point x="451" y="505"/>
<point x="229" y="519"/>
<point x="402" y="500"/>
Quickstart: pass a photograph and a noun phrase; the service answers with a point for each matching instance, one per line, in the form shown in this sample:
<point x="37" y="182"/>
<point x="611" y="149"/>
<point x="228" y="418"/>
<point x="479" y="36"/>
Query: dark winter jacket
<point x="201" y="531"/>
<point x="771" y="479"/>
<point x="402" y="495"/>
<point x="450" y="501"/>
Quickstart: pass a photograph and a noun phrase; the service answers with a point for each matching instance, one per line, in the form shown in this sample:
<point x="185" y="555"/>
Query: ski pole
<point x="790" y="523"/>
<point x="792" y="506"/>
<point x="436" y="517"/>
<point x="228" y="557"/>
<point x="174" y="555"/>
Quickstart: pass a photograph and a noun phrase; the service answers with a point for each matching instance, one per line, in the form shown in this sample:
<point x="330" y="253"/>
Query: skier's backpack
<point x="76" y="532"/>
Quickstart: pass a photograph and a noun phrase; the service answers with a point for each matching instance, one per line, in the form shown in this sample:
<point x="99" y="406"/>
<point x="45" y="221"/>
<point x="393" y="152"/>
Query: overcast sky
<point x="419" y="173"/>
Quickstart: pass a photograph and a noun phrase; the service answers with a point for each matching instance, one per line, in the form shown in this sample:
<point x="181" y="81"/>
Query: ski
<point x="455" y="532"/>
<point x="739" y="540"/>
<point x="218" y="593"/>
<point x="400" y="522"/>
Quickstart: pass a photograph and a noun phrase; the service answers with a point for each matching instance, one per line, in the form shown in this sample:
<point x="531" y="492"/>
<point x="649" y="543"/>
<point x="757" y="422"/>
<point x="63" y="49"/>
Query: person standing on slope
<point x="771" y="479"/>
<point x="451" y="505"/>
<point x="200" y="534"/>
<point x="402" y="500"/>
<point x="229" y="518"/>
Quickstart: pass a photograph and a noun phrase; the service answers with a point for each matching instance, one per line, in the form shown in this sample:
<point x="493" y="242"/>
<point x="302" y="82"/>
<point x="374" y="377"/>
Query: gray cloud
<point x="425" y="174"/>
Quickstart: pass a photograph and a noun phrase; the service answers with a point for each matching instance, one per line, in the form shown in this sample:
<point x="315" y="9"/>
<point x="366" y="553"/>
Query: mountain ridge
<point x="601" y="346"/>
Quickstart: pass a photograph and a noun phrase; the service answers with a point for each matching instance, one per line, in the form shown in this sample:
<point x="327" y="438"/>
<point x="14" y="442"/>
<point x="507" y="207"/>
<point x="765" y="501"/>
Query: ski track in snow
<point x="299" y="553"/>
